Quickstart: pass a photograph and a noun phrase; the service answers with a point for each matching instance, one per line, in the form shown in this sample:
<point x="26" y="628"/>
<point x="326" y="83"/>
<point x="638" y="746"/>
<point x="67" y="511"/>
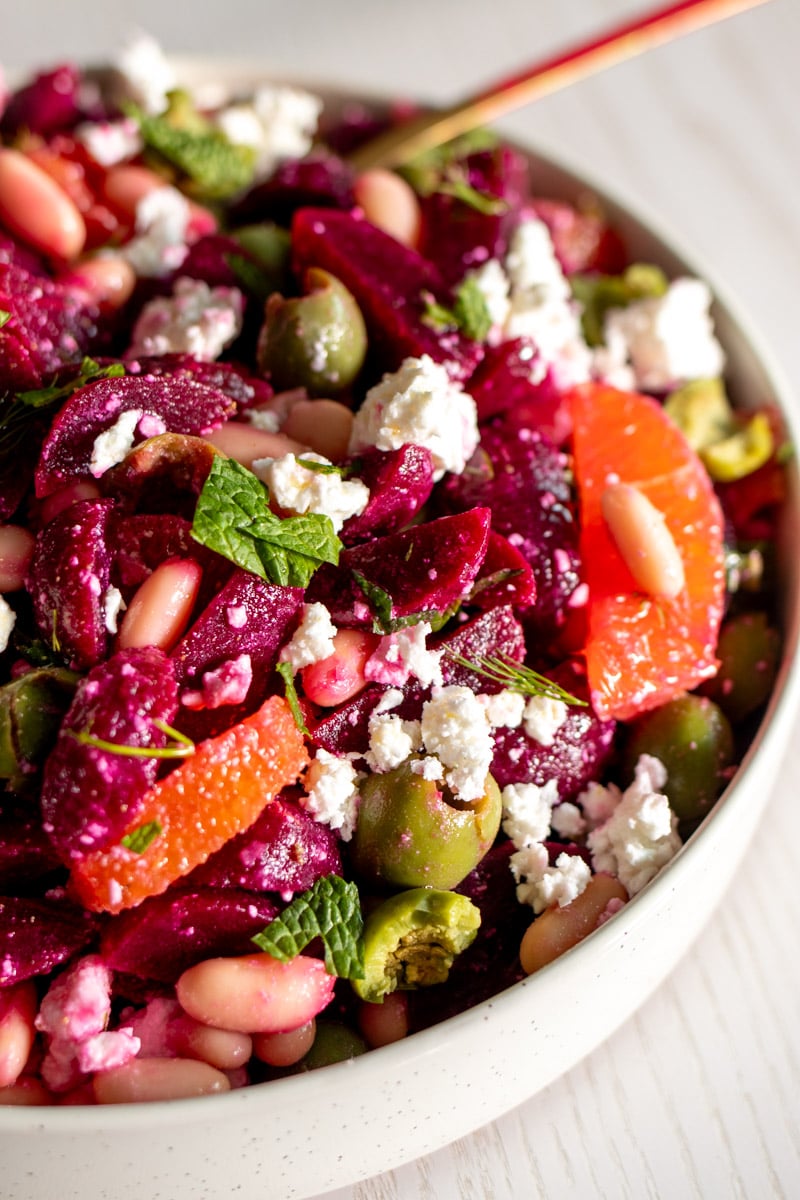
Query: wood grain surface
<point x="698" y="1096"/>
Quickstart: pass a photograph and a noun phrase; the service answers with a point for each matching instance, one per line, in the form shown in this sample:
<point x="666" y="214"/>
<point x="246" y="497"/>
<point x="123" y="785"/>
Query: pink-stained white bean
<point x="124" y="186"/>
<point x="255" y="993"/>
<point x="245" y="443"/>
<point x="161" y="607"/>
<point x="37" y="210"/>
<point x="27" y="1092"/>
<point x="341" y="675"/>
<point x="224" y="1049"/>
<point x="389" y="202"/>
<point x="382" y="1024"/>
<point x="17" y="1011"/>
<point x="106" y="281"/>
<point x="145" y="1079"/>
<point x="322" y="425"/>
<point x="284" y="1049"/>
<point x="64" y="497"/>
<point x="643" y="540"/>
<point x="16" y="551"/>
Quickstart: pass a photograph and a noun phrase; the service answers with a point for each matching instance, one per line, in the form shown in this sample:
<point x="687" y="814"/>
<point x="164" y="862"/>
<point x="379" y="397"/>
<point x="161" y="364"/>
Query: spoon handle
<point x="403" y="142"/>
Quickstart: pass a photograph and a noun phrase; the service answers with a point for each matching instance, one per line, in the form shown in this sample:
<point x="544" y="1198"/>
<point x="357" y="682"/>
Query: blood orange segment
<point x="642" y="651"/>
<point x="216" y="793"/>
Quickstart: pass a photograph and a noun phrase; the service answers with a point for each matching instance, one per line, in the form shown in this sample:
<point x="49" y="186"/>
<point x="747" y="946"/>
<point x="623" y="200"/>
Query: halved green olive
<point x="411" y="833"/>
<point x="748" y="651"/>
<point x="317" y="341"/>
<point x="31" y="711"/>
<point x="410" y="941"/>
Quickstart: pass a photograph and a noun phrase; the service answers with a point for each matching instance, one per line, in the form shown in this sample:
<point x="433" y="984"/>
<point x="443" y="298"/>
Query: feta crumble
<point x="110" y="142"/>
<point x="541" y="885"/>
<point x="568" y="821"/>
<point x="195" y="319"/>
<point x="111" y="446"/>
<point x="391" y="741"/>
<point x="456" y="730"/>
<point x="7" y="619"/>
<point x="402" y="654"/>
<point x="144" y="75"/>
<point x="278" y="123"/>
<point x="228" y="683"/>
<point x="312" y="641"/>
<point x="419" y="404"/>
<point x="667" y="340"/>
<point x="332" y="793"/>
<point x="158" y="246"/>
<point x="113" y="605"/>
<point x="640" y="835"/>
<point x="494" y="285"/>
<point x="543" y="717"/>
<point x="299" y="489"/>
<point x="527" y="811"/>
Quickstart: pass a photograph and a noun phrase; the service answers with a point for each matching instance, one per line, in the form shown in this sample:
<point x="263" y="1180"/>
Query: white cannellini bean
<point x="160" y="609"/>
<point x="37" y="210"/>
<point x="27" y="1092"/>
<point x="17" y="1011"/>
<point x="643" y="540"/>
<point x="16" y="551"/>
<point x="285" y="1049"/>
<point x="224" y="1049"/>
<point x="382" y="1024"/>
<point x="322" y="425"/>
<point x="389" y="202"/>
<point x="64" y="497"/>
<point x="145" y="1079"/>
<point x="107" y="281"/>
<point x="255" y="993"/>
<point x="245" y="443"/>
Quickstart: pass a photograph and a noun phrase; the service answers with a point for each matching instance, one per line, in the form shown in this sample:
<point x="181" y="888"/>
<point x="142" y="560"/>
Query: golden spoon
<point x="403" y="142"/>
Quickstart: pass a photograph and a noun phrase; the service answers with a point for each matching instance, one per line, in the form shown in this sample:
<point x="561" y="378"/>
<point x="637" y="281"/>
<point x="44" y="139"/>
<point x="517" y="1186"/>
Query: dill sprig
<point x="514" y="676"/>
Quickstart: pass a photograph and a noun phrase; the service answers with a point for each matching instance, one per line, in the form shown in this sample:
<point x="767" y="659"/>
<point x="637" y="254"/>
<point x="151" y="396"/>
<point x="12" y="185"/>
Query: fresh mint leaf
<point x="215" y="167"/>
<point x="286" y="673"/>
<point x="319" y="468"/>
<point x="233" y="518"/>
<point x="5" y="317"/>
<point x="470" y="311"/>
<point x="140" y="838"/>
<point x="90" y="371"/>
<point x="426" y="171"/>
<point x="330" y="910"/>
<point x="457" y="185"/>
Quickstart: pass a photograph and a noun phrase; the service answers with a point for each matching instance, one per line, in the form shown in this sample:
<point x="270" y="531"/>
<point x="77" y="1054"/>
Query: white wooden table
<point x="697" y="1096"/>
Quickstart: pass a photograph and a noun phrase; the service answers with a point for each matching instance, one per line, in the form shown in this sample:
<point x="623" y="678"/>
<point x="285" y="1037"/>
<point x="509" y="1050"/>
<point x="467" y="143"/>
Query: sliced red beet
<point x="247" y="617"/>
<point x="26" y="853"/>
<point x="285" y="851"/>
<point x="345" y="730"/>
<point x="164" y="935"/>
<point x="168" y="403"/>
<point x="505" y="576"/>
<point x="399" y="482"/>
<point x="496" y="632"/>
<point x="90" y="795"/>
<point x="321" y="179"/>
<point x="529" y="495"/>
<point x="388" y="280"/>
<point x="38" y="935"/>
<point x="49" y="328"/>
<point x="142" y="541"/>
<point x="580" y="749"/>
<point x="68" y="580"/>
<point x="426" y="567"/>
<point x="235" y="381"/>
<point x="503" y="383"/>
<point x="452" y="229"/>
<point x="49" y="102"/>
<point x="583" y="241"/>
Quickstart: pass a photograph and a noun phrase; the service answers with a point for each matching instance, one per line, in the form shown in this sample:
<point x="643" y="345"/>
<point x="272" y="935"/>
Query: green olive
<point x="748" y="650"/>
<point x="317" y="341"/>
<point x="410" y="833"/>
<point x="702" y="412"/>
<point x="333" y="1042"/>
<point x="693" y="739"/>
<point x="266" y="270"/>
<point x="410" y="941"/>
<point x="31" y="711"/>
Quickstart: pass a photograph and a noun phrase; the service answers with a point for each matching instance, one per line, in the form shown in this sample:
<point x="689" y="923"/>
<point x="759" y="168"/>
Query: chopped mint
<point x="470" y="311"/>
<point x="214" y="166"/>
<point x="426" y="172"/>
<point x="330" y="910"/>
<point x="286" y="673"/>
<point x="381" y="604"/>
<point x="598" y="293"/>
<point x="233" y="518"/>
<point x="457" y="185"/>
<point x="319" y="468"/>
<point x="5" y="317"/>
<point x="140" y="838"/>
<point x="90" y="371"/>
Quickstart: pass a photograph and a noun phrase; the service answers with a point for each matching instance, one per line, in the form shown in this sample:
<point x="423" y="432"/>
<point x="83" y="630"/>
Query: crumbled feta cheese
<point x="527" y="810"/>
<point x="542" y="307"/>
<point x="158" y="246"/>
<point x="144" y="75"/>
<point x="503" y="709"/>
<point x="598" y="802"/>
<point x="195" y="319"/>
<point x="300" y="489"/>
<point x="228" y="683"/>
<point x="389" y="700"/>
<point x="110" y="142"/>
<point x="419" y="404"/>
<point x="544" y="716"/>
<point x="7" y="619"/>
<point x="112" y="446"/>
<point x="332" y="787"/>
<point x="278" y="123"/>
<point x="391" y="740"/>
<point x="541" y="885"/>
<point x="73" y="1015"/>
<point x="264" y="418"/>
<point x="666" y="339"/>
<point x="403" y="654"/>
<point x="312" y="641"/>
<point x="494" y="285"/>
<point x="567" y="821"/>
<point x="455" y="729"/>
<point x="641" y="834"/>
<point x="113" y="605"/>
<point x="428" y="768"/>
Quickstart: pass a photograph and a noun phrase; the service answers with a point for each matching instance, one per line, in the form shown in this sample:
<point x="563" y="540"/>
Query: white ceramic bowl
<point x="309" y="1134"/>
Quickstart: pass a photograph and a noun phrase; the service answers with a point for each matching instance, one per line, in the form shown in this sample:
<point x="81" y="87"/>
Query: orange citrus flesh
<point x="641" y="651"/>
<point x="216" y="793"/>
